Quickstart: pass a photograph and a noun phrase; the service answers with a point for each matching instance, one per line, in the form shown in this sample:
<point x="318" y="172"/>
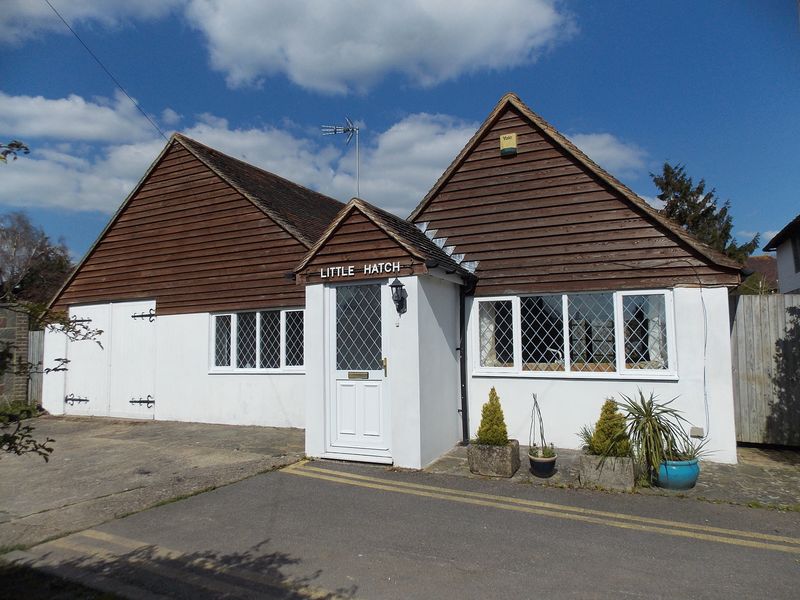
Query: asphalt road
<point x="368" y="532"/>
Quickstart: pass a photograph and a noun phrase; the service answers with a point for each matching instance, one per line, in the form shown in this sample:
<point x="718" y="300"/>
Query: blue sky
<point x="712" y="85"/>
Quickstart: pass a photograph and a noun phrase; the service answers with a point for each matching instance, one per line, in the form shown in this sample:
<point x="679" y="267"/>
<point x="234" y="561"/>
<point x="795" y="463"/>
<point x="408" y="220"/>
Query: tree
<point x="32" y="267"/>
<point x="13" y="149"/>
<point x="696" y="210"/>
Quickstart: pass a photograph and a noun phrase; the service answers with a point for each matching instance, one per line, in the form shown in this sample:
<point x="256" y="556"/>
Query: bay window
<point x="582" y="334"/>
<point x="269" y="340"/>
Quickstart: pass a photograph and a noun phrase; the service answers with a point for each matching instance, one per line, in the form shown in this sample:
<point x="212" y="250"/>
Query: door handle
<point x="385" y="366"/>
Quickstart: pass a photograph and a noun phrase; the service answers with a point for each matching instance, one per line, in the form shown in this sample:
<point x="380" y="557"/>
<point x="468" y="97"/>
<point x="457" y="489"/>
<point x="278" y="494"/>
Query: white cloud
<point x="398" y="165"/>
<point x="72" y="118"/>
<point x="653" y="201"/>
<point x="749" y="235"/>
<point x="23" y="19"/>
<point x="335" y="47"/>
<point x="611" y="153"/>
<point x="170" y="117"/>
<point x="330" y="46"/>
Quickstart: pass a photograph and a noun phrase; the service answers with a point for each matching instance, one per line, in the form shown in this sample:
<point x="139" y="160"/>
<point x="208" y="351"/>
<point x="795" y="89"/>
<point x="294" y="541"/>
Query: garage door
<point x="117" y="376"/>
<point x="88" y="367"/>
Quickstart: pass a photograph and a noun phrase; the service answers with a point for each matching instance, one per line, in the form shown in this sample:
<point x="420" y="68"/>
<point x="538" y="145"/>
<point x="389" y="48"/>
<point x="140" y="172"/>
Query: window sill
<point x="258" y="372"/>
<point x="578" y="376"/>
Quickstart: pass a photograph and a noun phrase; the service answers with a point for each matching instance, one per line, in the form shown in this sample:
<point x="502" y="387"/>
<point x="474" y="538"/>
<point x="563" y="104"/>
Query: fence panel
<point x="765" y="348"/>
<point x="35" y="358"/>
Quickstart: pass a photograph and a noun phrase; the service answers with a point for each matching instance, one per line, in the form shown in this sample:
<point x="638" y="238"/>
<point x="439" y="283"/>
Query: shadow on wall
<point x="200" y="575"/>
<point x="783" y="422"/>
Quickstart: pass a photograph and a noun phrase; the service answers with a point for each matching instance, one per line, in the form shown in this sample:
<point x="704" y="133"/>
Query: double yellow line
<point x="750" y="539"/>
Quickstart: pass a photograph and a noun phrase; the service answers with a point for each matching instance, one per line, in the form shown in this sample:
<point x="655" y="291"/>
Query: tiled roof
<point x="765" y="265"/>
<point x="401" y="231"/>
<point x="303" y="212"/>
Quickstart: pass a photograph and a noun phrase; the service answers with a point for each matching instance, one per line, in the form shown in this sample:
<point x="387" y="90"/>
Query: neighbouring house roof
<point x="510" y="99"/>
<point x="766" y="266"/>
<point x="405" y="233"/>
<point x="792" y="227"/>
<point x="301" y="211"/>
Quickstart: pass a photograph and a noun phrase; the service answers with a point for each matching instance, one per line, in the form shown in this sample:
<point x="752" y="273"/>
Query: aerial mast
<point x="350" y="129"/>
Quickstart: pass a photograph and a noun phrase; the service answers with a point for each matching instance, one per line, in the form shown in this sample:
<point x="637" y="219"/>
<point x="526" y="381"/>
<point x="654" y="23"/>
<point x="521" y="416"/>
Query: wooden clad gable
<point x="192" y="241"/>
<point x="550" y="220"/>
<point x="362" y="235"/>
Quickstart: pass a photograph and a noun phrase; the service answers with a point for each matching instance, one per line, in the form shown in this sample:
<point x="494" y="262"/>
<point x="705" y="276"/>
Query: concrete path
<point x="763" y="478"/>
<point x="103" y="469"/>
<point x="322" y="529"/>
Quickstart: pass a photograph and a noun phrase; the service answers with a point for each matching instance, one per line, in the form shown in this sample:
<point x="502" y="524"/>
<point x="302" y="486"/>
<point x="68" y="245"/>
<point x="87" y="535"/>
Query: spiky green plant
<point x="655" y="430"/>
<point x="492" y="430"/>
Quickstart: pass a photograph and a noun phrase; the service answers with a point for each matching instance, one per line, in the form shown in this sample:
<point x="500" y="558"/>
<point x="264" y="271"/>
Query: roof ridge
<point x="178" y="134"/>
<point x="285" y="219"/>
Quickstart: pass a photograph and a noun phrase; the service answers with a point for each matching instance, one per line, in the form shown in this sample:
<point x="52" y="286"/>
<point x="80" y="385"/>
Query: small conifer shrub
<point x="492" y="431"/>
<point x="609" y="437"/>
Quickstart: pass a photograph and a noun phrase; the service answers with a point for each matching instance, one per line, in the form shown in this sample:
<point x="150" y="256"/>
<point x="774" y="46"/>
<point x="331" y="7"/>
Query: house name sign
<point x="366" y="269"/>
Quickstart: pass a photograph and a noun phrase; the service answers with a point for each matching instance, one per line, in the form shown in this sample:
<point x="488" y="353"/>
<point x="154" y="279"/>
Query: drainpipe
<point x="462" y="329"/>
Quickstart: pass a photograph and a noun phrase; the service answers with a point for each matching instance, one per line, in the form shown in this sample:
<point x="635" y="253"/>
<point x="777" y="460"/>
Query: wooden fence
<point x="765" y="347"/>
<point x="35" y="358"/>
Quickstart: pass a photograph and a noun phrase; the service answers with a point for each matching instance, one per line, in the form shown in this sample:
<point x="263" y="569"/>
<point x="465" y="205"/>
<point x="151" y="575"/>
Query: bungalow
<point x="527" y="268"/>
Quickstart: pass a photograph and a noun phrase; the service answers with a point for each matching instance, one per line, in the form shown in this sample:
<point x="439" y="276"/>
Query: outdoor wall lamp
<point x="399" y="296"/>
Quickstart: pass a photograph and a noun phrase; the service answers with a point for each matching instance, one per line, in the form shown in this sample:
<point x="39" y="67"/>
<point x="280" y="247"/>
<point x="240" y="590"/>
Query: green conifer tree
<point x="492" y="430"/>
<point x="610" y="426"/>
<point x="696" y="210"/>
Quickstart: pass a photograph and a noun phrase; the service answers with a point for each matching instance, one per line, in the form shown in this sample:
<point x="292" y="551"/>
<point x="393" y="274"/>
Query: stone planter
<point x="614" y="473"/>
<point x="495" y="461"/>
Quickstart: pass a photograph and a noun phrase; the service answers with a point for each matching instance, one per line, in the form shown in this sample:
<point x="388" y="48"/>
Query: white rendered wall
<point x="568" y="403"/>
<point x="186" y="391"/>
<point x="422" y="382"/>
<point x="439" y="375"/>
<point x="184" y="388"/>
<point x="788" y="280"/>
<point x="404" y="379"/>
<point x="54" y="383"/>
<point x="316" y="328"/>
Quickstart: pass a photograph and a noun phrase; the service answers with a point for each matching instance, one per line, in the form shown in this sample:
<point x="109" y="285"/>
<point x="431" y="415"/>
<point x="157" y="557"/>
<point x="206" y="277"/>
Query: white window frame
<point x="232" y="368"/>
<point x="621" y="372"/>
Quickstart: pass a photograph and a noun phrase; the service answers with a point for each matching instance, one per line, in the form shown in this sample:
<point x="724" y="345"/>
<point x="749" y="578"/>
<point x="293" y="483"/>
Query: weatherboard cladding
<point x="544" y="221"/>
<point x="192" y="241"/>
<point x="364" y="234"/>
<point x="357" y="241"/>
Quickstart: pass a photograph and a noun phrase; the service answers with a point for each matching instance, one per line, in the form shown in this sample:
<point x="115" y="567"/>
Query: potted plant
<point x="657" y="437"/>
<point x="681" y="470"/>
<point x="606" y="461"/>
<point x="492" y="453"/>
<point x="542" y="457"/>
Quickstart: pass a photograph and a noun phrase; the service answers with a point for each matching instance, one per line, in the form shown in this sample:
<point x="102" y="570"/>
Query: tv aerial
<point x="351" y="130"/>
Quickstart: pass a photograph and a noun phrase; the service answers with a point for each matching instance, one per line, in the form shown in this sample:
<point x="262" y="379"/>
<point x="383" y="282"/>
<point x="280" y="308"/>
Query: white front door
<point x="358" y="404"/>
<point x="87" y="369"/>
<point x="133" y="360"/>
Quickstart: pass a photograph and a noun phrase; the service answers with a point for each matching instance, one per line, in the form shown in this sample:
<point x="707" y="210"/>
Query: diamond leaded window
<point x="588" y="334"/>
<point x="254" y="341"/>
<point x="495" y="321"/>
<point x="542" y="323"/>
<point x="592" y="338"/>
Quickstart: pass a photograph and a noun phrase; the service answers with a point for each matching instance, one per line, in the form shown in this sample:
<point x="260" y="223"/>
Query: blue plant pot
<point x="678" y="474"/>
